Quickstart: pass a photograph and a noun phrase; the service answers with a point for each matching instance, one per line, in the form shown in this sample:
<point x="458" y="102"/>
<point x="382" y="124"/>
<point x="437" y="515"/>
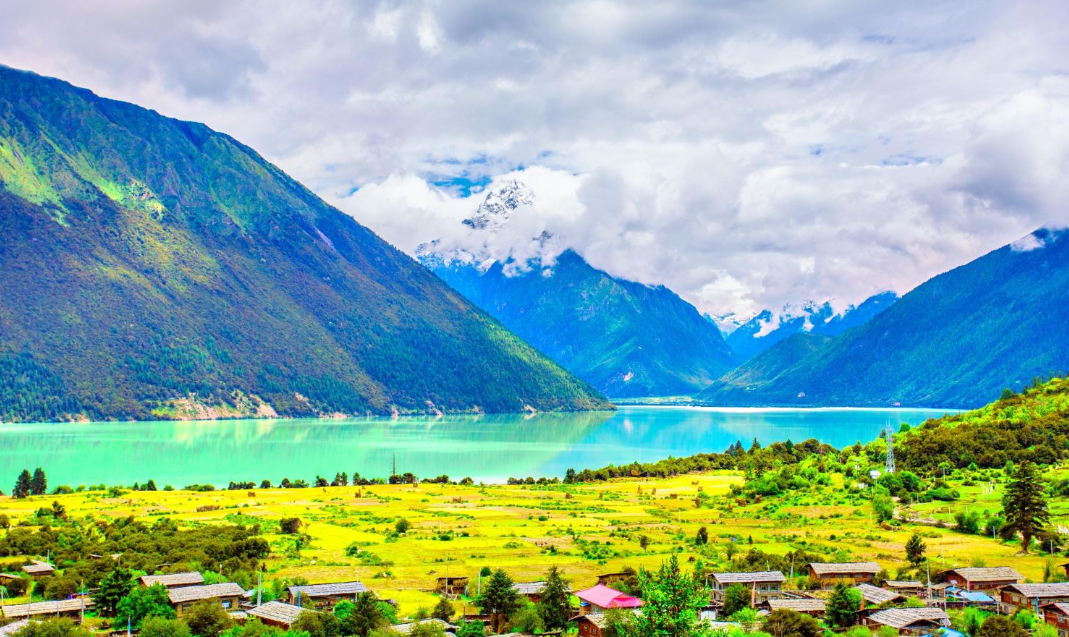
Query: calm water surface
<point x="487" y="448"/>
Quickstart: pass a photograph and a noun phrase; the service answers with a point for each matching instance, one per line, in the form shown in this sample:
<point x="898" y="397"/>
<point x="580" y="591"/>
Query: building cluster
<point x="892" y="603"/>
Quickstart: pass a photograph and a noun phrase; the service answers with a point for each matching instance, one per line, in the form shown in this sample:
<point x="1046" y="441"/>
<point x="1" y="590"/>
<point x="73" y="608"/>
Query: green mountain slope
<point x="736" y="386"/>
<point x="154" y="267"/>
<point x="1032" y="425"/>
<point x="625" y="338"/>
<point x="955" y="341"/>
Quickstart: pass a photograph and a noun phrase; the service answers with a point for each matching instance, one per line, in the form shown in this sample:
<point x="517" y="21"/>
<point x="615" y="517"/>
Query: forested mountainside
<point x="152" y="267"/>
<point x="955" y="341"/>
<point x="625" y="338"/>
<point x="766" y="329"/>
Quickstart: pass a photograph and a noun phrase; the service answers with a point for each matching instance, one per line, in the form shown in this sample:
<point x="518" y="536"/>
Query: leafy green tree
<point x="160" y="627"/>
<point x="470" y="629"/>
<point x="1025" y="618"/>
<point x="915" y="549"/>
<point x="289" y="526"/>
<point x="54" y="627"/>
<point x="672" y="601"/>
<point x="365" y="617"/>
<point x="498" y="600"/>
<point x="702" y="537"/>
<point x="883" y="507"/>
<point x="1024" y="505"/>
<point x="38" y="483"/>
<point x="15" y="587"/>
<point x="998" y="626"/>
<point x="402" y="526"/>
<point x="736" y="597"/>
<point x="207" y="618"/>
<point x="443" y="610"/>
<point x="843" y="606"/>
<point x="22" y="485"/>
<point x="344" y="609"/>
<point x="554" y="605"/>
<point x="526" y="620"/>
<point x="142" y="602"/>
<point x="788" y="623"/>
<point x="115" y="586"/>
<point x="318" y="624"/>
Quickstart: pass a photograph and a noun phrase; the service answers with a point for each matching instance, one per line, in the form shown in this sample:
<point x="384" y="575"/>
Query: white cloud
<point x="746" y="155"/>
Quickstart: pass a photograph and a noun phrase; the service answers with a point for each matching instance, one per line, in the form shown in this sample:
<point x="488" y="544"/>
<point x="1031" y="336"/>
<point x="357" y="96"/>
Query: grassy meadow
<point x="584" y="529"/>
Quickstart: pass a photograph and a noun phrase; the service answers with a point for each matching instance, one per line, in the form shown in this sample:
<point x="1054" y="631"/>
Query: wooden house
<point x="828" y="574"/>
<point x="591" y="625"/>
<point x="906" y="588"/>
<point x="762" y="585"/>
<point x="531" y="590"/>
<point x="172" y="580"/>
<point x="278" y="614"/>
<point x="451" y="586"/>
<point x="909" y="621"/>
<point x="600" y="598"/>
<point x="873" y="597"/>
<point x="326" y="595"/>
<point x="1014" y="597"/>
<point x="985" y="579"/>
<point x="811" y="607"/>
<point x="227" y="594"/>
<point x="1057" y="615"/>
<point x="71" y="608"/>
<point x="37" y="570"/>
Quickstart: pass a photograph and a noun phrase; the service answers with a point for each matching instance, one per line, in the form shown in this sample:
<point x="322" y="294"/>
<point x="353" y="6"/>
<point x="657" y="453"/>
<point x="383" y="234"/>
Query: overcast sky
<point x="746" y="154"/>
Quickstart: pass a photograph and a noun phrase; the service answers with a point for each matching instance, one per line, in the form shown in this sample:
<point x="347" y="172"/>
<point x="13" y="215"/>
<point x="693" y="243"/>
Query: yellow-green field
<point x="583" y="529"/>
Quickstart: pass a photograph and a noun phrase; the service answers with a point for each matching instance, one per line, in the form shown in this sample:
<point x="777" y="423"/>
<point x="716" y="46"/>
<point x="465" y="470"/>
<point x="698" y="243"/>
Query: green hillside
<point x="1032" y="425"/>
<point x="736" y="386"/>
<point x="152" y="267"/>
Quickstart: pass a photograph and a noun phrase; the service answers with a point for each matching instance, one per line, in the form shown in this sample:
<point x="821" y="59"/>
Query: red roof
<point x="604" y="597"/>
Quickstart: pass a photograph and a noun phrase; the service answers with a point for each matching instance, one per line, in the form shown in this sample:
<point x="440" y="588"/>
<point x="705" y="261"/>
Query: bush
<point x="162" y="627"/>
<point x="207" y="618"/>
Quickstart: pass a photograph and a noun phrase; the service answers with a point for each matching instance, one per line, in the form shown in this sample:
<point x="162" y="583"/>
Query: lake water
<point x="487" y="448"/>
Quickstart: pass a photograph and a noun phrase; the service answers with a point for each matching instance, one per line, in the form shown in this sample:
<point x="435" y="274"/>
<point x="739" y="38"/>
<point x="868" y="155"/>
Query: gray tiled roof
<point x="38" y="567"/>
<point x="405" y="629"/>
<point x="44" y="608"/>
<point x="189" y="578"/>
<point x="1056" y="589"/>
<point x="277" y="611"/>
<point x="746" y="578"/>
<point x="844" y="568"/>
<point x="211" y="591"/>
<point x="876" y="595"/>
<point x="799" y="605"/>
<point x="328" y="589"/>
<point x="901" y="617"/>
<point x="13" y="627"/>
<point x="987" y="573"/>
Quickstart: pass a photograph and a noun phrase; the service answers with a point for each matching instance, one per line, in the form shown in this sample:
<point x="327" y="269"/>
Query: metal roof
<point x="328" y="589"/>
<point x="211" y="591"/>
<point x="277" y="611"/>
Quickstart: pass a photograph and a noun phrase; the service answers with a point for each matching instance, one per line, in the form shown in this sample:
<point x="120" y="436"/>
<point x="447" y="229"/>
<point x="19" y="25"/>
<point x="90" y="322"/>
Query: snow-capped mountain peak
<point x="500" y="202"/>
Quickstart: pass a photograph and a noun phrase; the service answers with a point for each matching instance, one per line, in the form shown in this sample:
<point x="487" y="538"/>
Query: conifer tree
<point x="554" y="606"/>
<point x="915" y="549"/>
<point x="1024" y="505"/>
<point x="498" y="600"/>
<point x="38" y="484"/>
<point x="843" y="606"/>
<point x="22" y="485"/>
<point x="672" y="603"/>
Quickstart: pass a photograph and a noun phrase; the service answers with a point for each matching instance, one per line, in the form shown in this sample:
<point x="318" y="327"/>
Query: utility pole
<point x="890" y="435"/>
<point x="393" y="471"/>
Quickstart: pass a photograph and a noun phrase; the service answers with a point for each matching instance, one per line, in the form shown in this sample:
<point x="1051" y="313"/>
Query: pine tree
<point x="702" y="537"/>
<point x="38" y="484"/>
<point x="915" y="550"/>
<point x="113" y="588"/>
<point x="672" y="603"/>
<point x="498" y="600"/>
<point x="554" y="607"/>
<point x="736" y="598"/>
<point x="843" y="606"/>
<point x="1024" y="505"/>
<point x="22" y="485"/>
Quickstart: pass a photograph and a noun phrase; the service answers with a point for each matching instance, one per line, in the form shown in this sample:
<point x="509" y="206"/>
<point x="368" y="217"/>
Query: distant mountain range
<point x="766" y="329"/>
<point x="955" y="341"/>
<point x="154" y="268"/>
<point x="625" y="338"/>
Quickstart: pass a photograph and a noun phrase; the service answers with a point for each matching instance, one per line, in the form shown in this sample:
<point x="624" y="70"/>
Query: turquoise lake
<point x="486" y="448"/>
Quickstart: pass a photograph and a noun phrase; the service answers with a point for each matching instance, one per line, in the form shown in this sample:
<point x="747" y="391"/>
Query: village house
<point x="763" y="585"/>
<point x="1057" y="615"/>
<point x="451" y="586"/>
<point x="71" y="608"/>
<point x="811" y="607"/>
<point x="911" y="588"/>
<point x="872" y="597"/>
<point x="1014" y="597"/>
<point x="909" y="621"/>
<point x="227" y="594"/>
<point x="600" y="598"/>
<point x="532" y="590"/>
<point x="828" y="574"/>
<point x="986" y="578"/>
<point x="277" y="614"/>
<point x="591" y="625"/>
<point x="172" y="580"/>
<point x="37" y="570"/>
<point x="326" y="595"/>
